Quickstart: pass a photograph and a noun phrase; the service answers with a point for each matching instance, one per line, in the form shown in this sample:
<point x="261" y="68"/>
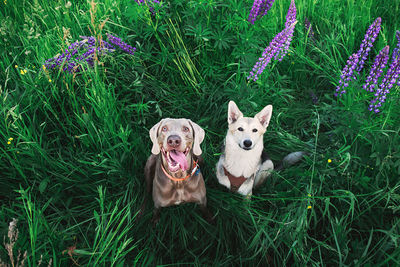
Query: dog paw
<point x="248" y="197"/>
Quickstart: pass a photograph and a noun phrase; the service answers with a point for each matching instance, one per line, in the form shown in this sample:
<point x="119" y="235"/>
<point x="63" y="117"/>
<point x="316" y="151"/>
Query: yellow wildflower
<point x="309" y="195"/>
<point x="22" y="72"/>
<point x="10" y="139"/>
<point x="329" y="160"/>
<point x="44" y="67"/>
<point x="8" y="143"/>
<point x="25" y="71"/>
<point x="49" y="80"/>
<point x="309" y="207"/>
<point x="16" y="66"/>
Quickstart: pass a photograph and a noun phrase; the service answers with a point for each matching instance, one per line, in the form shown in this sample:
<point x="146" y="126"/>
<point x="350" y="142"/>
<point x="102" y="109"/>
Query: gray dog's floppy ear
<point x="233" y="112"/>
<point x="198" y="133"/>
<point x="153" y="136"/>
<point x="264" y="116"/>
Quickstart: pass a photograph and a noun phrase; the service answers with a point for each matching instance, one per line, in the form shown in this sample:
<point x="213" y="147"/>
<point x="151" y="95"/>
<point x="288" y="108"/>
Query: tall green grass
<point x="73" y="173"/>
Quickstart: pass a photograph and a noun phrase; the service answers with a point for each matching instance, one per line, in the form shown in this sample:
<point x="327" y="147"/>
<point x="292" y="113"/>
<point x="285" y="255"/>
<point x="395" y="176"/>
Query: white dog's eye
<point x="255" y="130"/>
<point x="164" y="129"/>
<point x="240" y="129"/>
<point x="185" y="129"/>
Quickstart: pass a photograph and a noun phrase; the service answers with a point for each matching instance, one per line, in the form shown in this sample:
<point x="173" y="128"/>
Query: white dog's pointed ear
<point x="233" y="112"/>
<point x="264" y="116"/>
<point x="198" y="135"/>
<point x="153" y="136"/>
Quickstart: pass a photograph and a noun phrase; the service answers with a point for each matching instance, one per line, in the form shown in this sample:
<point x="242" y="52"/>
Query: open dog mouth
<point x="176" y="159"/>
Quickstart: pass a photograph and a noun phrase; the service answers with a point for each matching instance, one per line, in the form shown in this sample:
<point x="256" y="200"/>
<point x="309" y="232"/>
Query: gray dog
<point x="172" y="172"/>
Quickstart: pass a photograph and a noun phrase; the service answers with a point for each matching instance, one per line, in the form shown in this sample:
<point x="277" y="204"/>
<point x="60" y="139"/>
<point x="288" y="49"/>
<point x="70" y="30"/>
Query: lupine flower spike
<point x="376" y="70"/>
<point x="274" y="46"/>
<point x="356" y="61"/>
<point x="367" y="43"/>
<point x="396" y="51"/>
<point x="290" y="19"/>
<point x="118" y="42"/>
<point x="148" y="3"/>
<point x="278" y="47"/>
<point x="347" y="74"/>
<point x="309" y="29"/>
<point x="387" y="83"/>
<point x="84" y="51"/>
<point x="259" y="9"/>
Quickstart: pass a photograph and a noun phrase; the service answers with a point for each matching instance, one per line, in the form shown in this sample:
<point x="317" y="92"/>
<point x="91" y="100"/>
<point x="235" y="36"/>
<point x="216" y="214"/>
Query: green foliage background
<point x="73" y="173"/>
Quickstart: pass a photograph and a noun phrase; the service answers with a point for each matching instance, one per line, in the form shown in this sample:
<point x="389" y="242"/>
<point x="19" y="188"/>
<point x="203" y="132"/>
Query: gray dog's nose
<point x="247" y="143"/>
<point x="174" y="141"/>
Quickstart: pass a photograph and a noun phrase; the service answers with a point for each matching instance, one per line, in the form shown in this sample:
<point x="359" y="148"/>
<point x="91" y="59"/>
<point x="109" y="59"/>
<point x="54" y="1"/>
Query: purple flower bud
<point x="347" y="74"/>
<point x="259" y="9"/>
<point x="387" y="83"/>
<point x="84" y="51"/>
<point x="274" y="46"/>
<point x="376" y="70"/>
<point x="355" y="63"/>
<point x="367" y="43"/>
<point x="309" y="29"/>
<point x="291" y="15"/>
<point x="118" y="42"/>
<point x="149" y="3"/>
<point x="290" y="19"/>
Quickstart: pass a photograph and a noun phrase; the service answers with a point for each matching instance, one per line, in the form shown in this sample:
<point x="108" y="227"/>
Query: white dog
<point x="244" y="165"/>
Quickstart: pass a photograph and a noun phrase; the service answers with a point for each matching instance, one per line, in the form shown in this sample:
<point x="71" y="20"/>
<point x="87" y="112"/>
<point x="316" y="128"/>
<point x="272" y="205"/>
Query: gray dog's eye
<point x="164" y="129"/>
<point x="255" y="130"/>
<point x="240" y="129"/>
<point x="185" y="129"/>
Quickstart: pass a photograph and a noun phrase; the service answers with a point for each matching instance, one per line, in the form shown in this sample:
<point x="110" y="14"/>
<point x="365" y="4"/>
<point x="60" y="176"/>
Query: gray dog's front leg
<point x="206" y="214"/>
<point x="156" y="216"/>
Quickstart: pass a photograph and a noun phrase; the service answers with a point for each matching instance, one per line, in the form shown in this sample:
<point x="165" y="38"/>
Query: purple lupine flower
<point x="144" y="1"/>
<point x="84" y="51"/>
<point x="309" y="29"/>
<point x="314" y="98"/>
<point x="266" y="6"/>
<point x="290" y="19"/>
<point x="387" y="83"/>
<point x="259" y="9"/>
<point x="367" y="43"/>
<point x="274" y="46"/>
<point x="148" y="3"/>
<point x="355" y="63"/>
<point x="396" y="51"/>
<point x="291" y="15"/>
<point x="255" y="10"/>
<point x="347" y="74"/>
<point x="376" y="70"/>
<point x="118" y="42"/>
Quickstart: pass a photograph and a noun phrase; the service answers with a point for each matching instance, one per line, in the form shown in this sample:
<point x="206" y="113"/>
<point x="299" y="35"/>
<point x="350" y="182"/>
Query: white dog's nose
<point x="247" y="143"/>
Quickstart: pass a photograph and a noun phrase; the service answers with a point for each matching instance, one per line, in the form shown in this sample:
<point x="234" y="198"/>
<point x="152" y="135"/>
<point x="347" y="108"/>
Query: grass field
<point x="73" y="144"/>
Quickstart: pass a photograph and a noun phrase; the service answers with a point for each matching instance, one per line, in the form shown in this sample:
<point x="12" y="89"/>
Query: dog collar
<point x="195" y="170"/>
<point x="236" y="182"/>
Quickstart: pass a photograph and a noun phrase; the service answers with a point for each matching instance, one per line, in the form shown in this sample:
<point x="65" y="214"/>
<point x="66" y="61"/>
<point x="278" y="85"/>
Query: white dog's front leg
<point x="222" y="178"/>
<point x="246" y="188"/>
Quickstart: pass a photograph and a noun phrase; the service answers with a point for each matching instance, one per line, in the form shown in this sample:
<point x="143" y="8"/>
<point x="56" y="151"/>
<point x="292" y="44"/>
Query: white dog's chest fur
<point x="240" y="162"/>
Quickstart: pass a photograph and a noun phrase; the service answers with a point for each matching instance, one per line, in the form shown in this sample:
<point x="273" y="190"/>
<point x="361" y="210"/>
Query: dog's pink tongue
<point x="180" y="158"/>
